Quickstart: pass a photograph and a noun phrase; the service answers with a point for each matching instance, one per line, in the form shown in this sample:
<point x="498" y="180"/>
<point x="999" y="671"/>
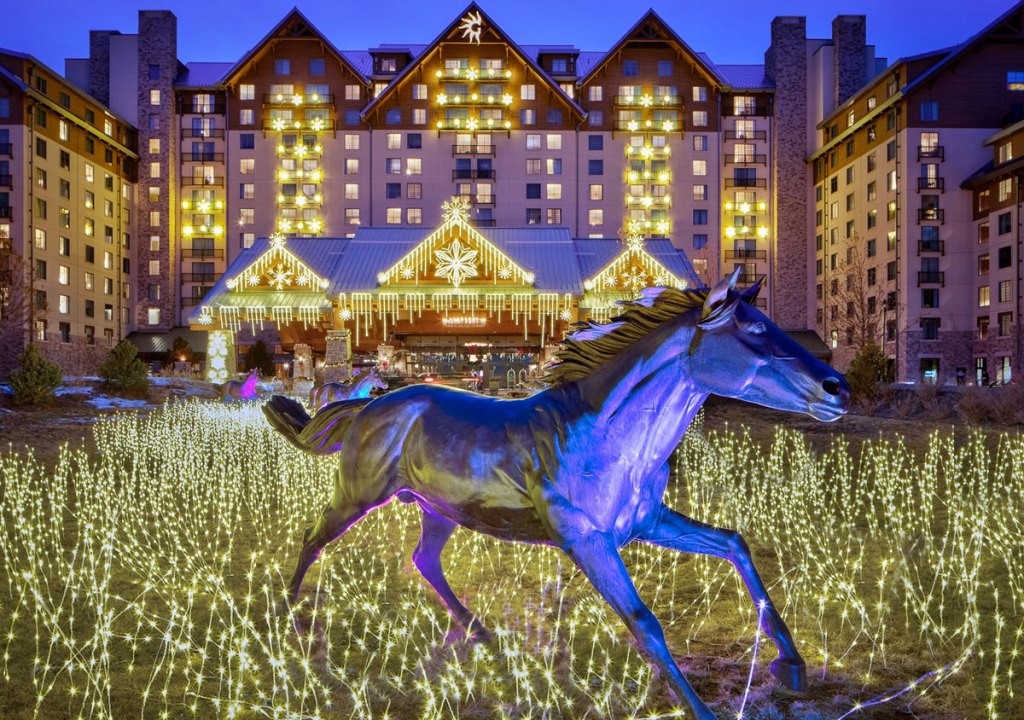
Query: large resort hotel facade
<point x="444" y="204"/>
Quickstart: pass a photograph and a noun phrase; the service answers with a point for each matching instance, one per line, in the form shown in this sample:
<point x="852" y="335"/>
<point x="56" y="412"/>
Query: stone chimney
<point x="850" y="56"/>
<point x="99" y="64"/>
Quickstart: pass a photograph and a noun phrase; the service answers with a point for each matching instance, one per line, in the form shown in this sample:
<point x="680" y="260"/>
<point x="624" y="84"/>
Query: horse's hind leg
<point x="434" y="534"/>
<point x="599" y="559"/>
<point x="678" y="532"/>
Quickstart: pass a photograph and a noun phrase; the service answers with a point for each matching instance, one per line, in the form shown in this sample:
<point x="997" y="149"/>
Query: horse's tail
<point x="322" y="434"/>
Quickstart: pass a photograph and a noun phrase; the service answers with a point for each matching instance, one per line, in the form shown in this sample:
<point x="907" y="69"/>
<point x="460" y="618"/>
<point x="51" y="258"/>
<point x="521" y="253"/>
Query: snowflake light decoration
<point x="407" y="273"/>
<point x="302" y="280"/>
<point x="505" y="272"/>
<point x="280" y="276"/>
<point x="456" y="262"/>
<point x="455" y="210"/>
<point x="565" y="315"/>
<point x="253" y="280"/>
<point x="637" y="280"/>
<point x="471" y="27"/>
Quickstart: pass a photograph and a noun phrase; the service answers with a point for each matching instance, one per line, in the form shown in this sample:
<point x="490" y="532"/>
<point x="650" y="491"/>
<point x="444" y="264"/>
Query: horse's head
<point x="738" y="352"/>
<point x="376" y="379"/>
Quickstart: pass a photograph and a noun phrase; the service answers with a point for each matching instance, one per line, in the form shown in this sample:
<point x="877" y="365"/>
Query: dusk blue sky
<point x="730" y="32"/>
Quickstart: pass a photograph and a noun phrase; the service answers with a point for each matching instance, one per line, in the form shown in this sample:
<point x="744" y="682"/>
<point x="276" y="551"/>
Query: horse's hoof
<point x="791" y="673"/>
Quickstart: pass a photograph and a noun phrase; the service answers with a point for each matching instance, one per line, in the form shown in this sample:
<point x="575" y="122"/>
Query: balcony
<point x="935" y="183"/>
<point x="6" y="181"/>
<point x="746" y="159"/>
<point x="472" y="174"/>
<point x="931" y="152"/>
<point x="472" y="150"/>
<point x="647" y="101"/>
<point x="746" y="136"/>
<point x="209" y="278"/>
<point x="7" y="149"/>
<point x="202" y="132"/>
<point x="746" y="111"/>
<point x="477" y="73"/>
<point x="5" y="212"/>
<point x="297" y="99"/>
<point x="203" y="252"/>
<point x="931" y="246"/>
<point x="202" y="157"/>
<point x="216" y="108"/>
<point x="746" y="182"/>
<point x="931" y="278"/>
<point x="473" y="99"/>
<point x="744" y="254"/>
<point x="931" y="214"/>
<point x="280" y="125"/>
<point x="215" y="181"/>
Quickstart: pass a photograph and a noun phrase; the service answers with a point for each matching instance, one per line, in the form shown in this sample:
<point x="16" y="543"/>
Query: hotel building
<point x="824" y="169"/>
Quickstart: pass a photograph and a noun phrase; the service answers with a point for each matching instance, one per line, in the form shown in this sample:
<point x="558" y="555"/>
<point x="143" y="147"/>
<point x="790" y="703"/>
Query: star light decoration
<point x="471" y="27"/>
<point x="456" y="263"/>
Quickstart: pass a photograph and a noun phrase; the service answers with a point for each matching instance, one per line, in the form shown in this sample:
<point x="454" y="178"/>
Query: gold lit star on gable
<point x="471" y="27"/>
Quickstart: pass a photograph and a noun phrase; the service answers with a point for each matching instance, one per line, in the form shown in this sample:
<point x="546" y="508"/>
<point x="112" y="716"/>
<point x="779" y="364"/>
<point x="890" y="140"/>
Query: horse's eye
<point x="757" y="329"/>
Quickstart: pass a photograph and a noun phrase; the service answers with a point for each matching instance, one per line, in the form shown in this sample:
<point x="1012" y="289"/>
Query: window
<point x="595" y="93"/>
<point x="154" y="170"/>
<point x="414" y="216"/>
<point x="154" y="267"/>
<point x="414" y="191"/>
<point x="316" y="66"/>
<point x="532" y="216"/>
<point x="527" y="92"/>
<point x="1004" y="223"/>
<point x="595" y="216"/>
<point x="246" y="216"/>
<point x="282" y="67"/>
<point x="90" y="254"/>
<point x="1005" y="189"/>
<point x="700" y="143"/>
<point x="1005" y="257"/>
<point x="394" y="216"/>
<point x="554" y="142"/>
<point x="930" y="328"/>
<point x="527" y="116"/>
<point x="246" y="116"/>
<point x="246" y="141"/>
<point x="352" y="92"/>
<point x="664" y="68"/>
<point x="930" y="298"/>
<point x="554" y="216"/>
<point x="597" y="192"/>
<point x="554" y="166"/>
<point x="700" y="241"/>
<point x="700" y="93"/>
<point x="393" y="116"/>
<point x="393" y="191"/>
<point x="700" y="118"/>
<point x="595" y="142"/>
<point x="1005" y="320"/>
<point x="414" y="141"/>
<point x="246" y="92"/>
<point x="64" y="304"/>
<point x="1005" y="152"/>
<point x="64" y="246"/>
<point x="1015" y="81"/>
<point x="630" y="68"/>
<point x="351" y="191"/>
<point x="533" y="191"/>
<point x="41" y="147"/>
<point x="247" y="166"/>
<point x="153" y="314"/>
<point x="351" y="216"/>
<point x="554" y="191"/>
<point x="1005" y="291"/>
<point x="595" y="167"/>
<point x="533" y="166"/>
<point x="154" y="220"/>
<point x="533" y="142"/>
<point x="154" y="97"/>
<point x="247" y="191"/>
<point x="554" y="116"/>
<point x="414" y="166"/>
<point x="64" y="275"/>
<point x="700" y="217"/>
<point x="700" y="192"/>
<point x="700" y="168"/>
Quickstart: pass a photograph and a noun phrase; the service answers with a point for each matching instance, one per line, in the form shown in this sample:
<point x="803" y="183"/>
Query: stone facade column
<point x="99" y="64"/>
<point x="849" y="56"/>
<point x="786" y="64"/>
<point x="338" y="361"/>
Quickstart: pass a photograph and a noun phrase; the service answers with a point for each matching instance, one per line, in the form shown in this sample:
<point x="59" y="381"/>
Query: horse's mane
<point x="593" y="344"/>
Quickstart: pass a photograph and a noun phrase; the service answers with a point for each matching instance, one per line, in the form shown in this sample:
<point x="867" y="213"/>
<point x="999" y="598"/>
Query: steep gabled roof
<point x="1010" y="22"/>
<point x="294" y="24"/>
<point x="644" y="28"/>
<point x="501" y="36"/>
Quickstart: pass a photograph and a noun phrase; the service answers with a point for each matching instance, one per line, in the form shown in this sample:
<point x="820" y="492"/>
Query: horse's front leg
<point x="599" y="559"/>
<point x="678" y="532"/>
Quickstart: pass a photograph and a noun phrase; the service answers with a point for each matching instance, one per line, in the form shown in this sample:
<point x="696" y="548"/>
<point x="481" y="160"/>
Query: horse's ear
<point x="749" y="295"/>
<point x="720" y="302"/>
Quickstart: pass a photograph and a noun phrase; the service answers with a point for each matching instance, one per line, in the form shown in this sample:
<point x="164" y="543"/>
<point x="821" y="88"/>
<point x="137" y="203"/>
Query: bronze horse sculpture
<point x="240" y="389"/>
<point x="581" y="465"/>
<point x="357" y="388"/>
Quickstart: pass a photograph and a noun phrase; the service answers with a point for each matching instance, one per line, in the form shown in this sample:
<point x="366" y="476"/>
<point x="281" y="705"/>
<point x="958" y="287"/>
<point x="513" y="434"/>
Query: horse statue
<point x="358" y="388"/>
<point x="240" y="389"/>
<point x="581" y="465"/>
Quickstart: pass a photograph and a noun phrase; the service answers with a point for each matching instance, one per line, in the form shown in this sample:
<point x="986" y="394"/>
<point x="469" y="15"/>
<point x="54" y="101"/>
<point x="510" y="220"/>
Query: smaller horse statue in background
<point x="358" y="388"/>
<point x="240" y="389"/>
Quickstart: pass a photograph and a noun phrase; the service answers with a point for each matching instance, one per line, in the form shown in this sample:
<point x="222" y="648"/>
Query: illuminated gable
<point x="633" y="270"/>
<point x="277" y="269"/>
<point x="456" y="255"/>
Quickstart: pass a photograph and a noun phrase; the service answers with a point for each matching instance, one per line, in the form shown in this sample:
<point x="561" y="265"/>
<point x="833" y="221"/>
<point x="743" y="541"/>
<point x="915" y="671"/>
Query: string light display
<point x="146" y="582"/>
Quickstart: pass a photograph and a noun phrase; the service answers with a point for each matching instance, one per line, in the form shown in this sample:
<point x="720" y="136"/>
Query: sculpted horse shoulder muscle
<point x="581" y="465"/>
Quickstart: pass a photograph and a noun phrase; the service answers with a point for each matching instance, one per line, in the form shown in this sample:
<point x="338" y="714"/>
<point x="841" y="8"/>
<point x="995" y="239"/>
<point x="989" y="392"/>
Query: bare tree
<point x="14" y="304"/>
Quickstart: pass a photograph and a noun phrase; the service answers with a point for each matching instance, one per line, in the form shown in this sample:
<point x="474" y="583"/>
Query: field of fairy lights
<point x="144" y="581"/>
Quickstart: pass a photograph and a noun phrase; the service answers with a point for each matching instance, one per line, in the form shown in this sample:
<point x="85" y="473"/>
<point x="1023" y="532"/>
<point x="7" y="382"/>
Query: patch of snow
<point x="74" y="390"/>
<point x="105" y="402"/>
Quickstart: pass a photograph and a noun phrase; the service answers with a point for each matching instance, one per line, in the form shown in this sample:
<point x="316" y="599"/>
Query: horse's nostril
<point x="831" y="386"/>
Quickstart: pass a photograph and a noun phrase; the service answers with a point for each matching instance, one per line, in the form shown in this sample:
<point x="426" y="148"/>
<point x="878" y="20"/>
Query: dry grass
<point x="141" y="582"/>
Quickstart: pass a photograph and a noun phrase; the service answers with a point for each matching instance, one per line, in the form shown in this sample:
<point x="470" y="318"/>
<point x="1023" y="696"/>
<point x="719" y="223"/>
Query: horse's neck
<point x="645" y="395"/>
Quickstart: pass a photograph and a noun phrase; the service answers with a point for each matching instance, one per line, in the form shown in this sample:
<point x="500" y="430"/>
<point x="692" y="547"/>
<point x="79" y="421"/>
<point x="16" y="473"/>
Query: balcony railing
<point x="472" y="174"/>
<point x="472" y="150"/>
<point x="744" y="254"/>
<point x="477" y="73"/>
<point x="931" y="278"/>
<point x="6" y="181"/>
<point x="202" y="157"/>
<point x="5" y="212"/>
<point x="200" y="277"/>
<point x="216" y="108"/>
<point x="289" y="100"/>
<point x="931" y="246"/>
<point x="215" y="181"/>
<point x="933" y="183"/>
<point x="647" y="101"/>
<point x="202" y="133"/>
<point x="746" y="182"/>
<point x="7" y="149"/>
<point x="931" y="152"/>
<point x="746" y="159"/>
<point x="749" y="111"/>
<point x="747" y="278"/>
<point x="486" y="200"/>
<point x="485" y="222"/>
<point x="201" y="252"/>
<point x="752" y="135"/>
<point x="316" y="125"/>
<point x="926" y="214"/>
